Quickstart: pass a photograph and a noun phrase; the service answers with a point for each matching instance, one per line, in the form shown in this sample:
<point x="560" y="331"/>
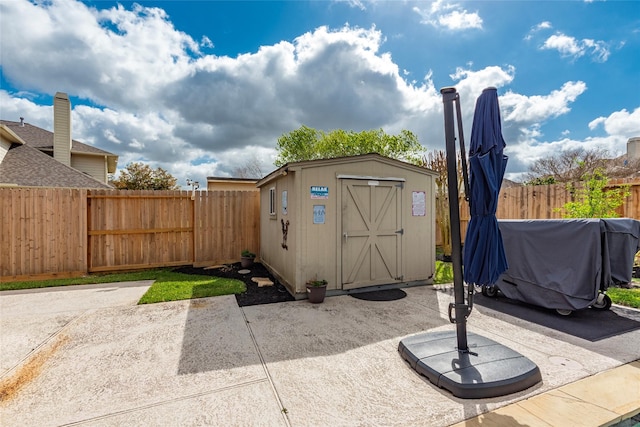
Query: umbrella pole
<point x="449" y="96"/>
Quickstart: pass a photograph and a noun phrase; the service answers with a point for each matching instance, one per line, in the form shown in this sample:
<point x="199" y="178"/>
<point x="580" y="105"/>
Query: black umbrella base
<point x="489" y="369"/>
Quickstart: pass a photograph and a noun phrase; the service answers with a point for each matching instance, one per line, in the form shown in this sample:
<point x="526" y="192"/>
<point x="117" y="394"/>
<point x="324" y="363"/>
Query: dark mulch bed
<point x="253" y="295"/>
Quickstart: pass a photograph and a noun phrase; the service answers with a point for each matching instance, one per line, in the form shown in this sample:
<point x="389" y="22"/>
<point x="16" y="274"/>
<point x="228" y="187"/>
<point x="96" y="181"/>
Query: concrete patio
<point x="87" y="355"/>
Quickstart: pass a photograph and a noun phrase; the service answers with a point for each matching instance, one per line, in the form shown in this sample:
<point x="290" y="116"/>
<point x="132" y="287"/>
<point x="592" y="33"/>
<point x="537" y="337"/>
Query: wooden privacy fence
<point x="137" y="229"/>
<point x="53" y="232"/>
<point x="42" y="231"/>
<point x="540" y="202"/>
<point x="60" y="232"/>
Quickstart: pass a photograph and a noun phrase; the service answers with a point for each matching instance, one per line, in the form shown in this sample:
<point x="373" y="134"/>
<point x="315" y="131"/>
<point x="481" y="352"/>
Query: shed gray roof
<point x="26" y="166"/>
<point x="336" y="160"/>
<point x="228" y="179"/>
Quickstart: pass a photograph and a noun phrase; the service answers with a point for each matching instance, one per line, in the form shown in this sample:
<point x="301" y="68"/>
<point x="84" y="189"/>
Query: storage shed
<point x="357" y="222"/>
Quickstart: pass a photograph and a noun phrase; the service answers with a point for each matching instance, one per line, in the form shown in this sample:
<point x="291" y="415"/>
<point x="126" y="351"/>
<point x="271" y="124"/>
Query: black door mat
<point x="589" y="324"/>
<point x="382" y="295"/>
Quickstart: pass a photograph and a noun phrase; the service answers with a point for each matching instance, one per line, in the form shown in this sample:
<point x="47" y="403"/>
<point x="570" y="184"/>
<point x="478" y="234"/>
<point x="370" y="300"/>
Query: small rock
<point x="265" y="283"/>
<point x="244" y="271"/>
<point x="262" y="281"/>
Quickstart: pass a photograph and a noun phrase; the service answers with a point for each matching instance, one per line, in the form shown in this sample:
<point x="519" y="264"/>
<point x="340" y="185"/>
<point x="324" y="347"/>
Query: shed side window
<point x="272" y="201"/>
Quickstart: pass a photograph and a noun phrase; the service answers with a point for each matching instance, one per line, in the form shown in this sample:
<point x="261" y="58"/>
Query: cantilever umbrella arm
<point x="459" y="307"/>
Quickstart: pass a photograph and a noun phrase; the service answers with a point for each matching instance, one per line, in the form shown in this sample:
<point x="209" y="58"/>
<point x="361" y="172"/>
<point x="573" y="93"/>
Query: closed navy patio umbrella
<point x="484" y="259"/>
<point x="445" y="358"/>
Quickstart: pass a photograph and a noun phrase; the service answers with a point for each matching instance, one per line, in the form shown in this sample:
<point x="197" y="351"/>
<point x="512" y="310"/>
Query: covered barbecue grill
<point x="566" y="264"/>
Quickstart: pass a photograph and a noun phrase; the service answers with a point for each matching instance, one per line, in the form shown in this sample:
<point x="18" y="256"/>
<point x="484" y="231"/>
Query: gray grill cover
<point x="562" y="264"/>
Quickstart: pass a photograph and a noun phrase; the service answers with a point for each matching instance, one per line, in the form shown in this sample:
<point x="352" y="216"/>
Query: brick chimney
<point x="633" y="148"/>
<point x="62" y="128"/>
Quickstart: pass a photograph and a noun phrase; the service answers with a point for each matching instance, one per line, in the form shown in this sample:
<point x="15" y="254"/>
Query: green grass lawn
<point x="628" y="297"/>
<point x="186" y="286"/>
<point x="87" y="280"/>
<point x="172" y="286"/>
<point x="168" y="285"/>
<point x="444" y="273"/>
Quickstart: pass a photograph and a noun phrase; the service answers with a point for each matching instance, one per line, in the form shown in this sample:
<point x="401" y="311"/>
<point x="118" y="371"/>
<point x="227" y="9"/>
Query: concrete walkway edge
<point x="604" y="399"/>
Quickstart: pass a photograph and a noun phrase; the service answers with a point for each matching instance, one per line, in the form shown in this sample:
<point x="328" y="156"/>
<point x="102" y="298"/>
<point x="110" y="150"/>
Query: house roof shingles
<point x="27" y="166"/>
<point x="43" y="139"/>
<point x="32" y="164"/>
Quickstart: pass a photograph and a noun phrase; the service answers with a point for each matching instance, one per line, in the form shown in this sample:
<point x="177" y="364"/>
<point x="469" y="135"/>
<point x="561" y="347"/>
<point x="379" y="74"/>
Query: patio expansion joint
<point x="44" y="344"/>
<point x="91" y="420"/>
<point x="283" y="410"/>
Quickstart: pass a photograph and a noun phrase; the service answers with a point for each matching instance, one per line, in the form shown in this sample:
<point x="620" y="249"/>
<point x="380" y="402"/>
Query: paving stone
<point x="213" y="267"/>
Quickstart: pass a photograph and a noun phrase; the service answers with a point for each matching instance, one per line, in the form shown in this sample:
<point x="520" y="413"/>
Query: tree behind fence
<point x="541" y="201"/>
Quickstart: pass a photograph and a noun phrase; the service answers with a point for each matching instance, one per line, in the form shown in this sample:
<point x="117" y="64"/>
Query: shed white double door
<point x="371" y="232"/>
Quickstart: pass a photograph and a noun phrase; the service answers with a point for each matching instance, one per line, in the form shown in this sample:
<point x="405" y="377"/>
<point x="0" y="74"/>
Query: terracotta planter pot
<point x="316" y="293"/>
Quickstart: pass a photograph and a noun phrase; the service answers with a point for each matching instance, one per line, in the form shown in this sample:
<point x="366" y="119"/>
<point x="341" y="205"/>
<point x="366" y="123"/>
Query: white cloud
<point x="571" y="47"/>
<point x="619" y="127"/>
<point x="156" y="98"/>
<point x="533" y="109"/>
<point x="620" y="123"/>
<point x="567" y="46"/>
<point x="15" y="106"/>
<point x="460" y="20"/>
<point x="523" y="116"/>
<point x="545" y="25"/>
<point x="206" y="42"/>
<point x="113" y="56"/>
<point x="599" y="50"/>
<point x="472" y="82"/>
<point x="359" y="4"/>
<point x="527" y="153"/>
<point x="451" y="16"/>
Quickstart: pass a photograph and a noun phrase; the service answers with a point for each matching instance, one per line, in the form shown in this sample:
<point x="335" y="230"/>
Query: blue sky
<point x="202" y="88"/>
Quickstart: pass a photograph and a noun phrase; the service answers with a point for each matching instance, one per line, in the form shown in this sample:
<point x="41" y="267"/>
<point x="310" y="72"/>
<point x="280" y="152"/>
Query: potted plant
<point x="316" y="290"/>
<point x="246" y="258"/>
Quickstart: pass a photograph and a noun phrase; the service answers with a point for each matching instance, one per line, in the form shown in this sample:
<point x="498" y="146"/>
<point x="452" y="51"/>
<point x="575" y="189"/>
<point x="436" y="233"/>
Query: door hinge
<point x="400" y="278"/>
<point x="400" y="186"/>
<point x="401" y="231"/>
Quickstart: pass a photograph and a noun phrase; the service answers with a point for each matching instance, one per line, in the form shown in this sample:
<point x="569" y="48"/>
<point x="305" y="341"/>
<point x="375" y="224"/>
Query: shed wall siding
<point x="282" y="261"/>
<point x="315" y="250"/>
<point x="320" y="253"/>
